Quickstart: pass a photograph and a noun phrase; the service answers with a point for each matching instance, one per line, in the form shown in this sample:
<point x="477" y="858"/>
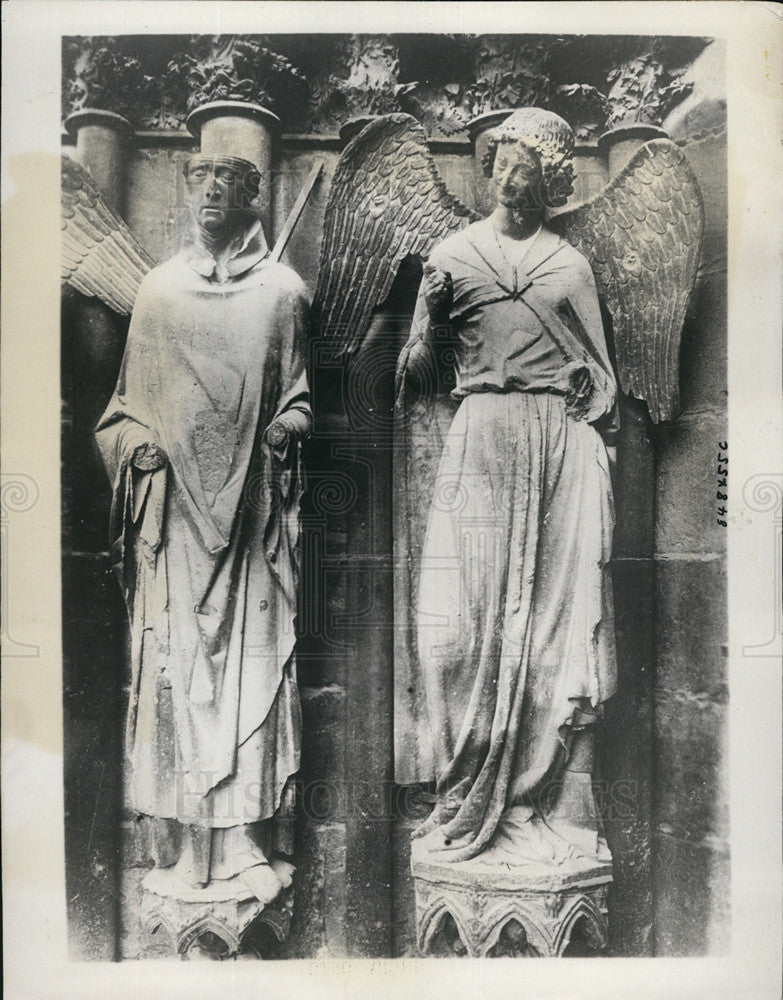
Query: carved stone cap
<point x="230" y="109"/>
<point x="353" y="127"/>
<point x="623" y="133"/>
<point x="95" y="116"/>
<point x="489" y="119"/>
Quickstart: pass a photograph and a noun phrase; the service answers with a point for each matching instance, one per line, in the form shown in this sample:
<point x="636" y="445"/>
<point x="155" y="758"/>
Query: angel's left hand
<point x="580" y="382"/>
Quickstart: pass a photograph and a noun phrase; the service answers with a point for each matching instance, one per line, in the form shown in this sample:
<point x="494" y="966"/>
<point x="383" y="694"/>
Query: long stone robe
<point x="206" y="546"/>
<point x="515" y="635"/>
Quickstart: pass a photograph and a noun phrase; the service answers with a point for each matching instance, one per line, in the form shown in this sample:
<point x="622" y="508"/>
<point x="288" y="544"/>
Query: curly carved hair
<point x="547" y="135"/>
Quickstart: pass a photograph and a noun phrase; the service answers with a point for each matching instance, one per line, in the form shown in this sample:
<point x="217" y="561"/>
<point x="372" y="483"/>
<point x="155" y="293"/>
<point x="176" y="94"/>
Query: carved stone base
<point x="218" y="921"/>
<point x="473" y="909"/>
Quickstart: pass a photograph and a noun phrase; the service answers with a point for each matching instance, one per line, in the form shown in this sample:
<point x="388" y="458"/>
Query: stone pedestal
<point x="477" y="910"/>
<point x="218" y="921"/>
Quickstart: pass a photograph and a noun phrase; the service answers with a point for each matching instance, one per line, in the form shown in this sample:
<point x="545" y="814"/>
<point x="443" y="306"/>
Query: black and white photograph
<point x="396" y="496"/>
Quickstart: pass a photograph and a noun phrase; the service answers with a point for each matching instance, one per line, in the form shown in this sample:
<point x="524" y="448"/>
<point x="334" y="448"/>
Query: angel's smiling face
<point x="517" y="178"/>
<point x="219" y="192"/>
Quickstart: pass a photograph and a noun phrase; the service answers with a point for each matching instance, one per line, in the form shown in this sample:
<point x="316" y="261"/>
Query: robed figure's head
<point x="222" y="194"/>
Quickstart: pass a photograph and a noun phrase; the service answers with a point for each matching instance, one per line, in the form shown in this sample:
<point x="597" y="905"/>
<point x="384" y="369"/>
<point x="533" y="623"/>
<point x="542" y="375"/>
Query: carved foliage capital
<point x="104" y="73"/>
<point x="317" y="83"/>
<point x="643" y="91"/>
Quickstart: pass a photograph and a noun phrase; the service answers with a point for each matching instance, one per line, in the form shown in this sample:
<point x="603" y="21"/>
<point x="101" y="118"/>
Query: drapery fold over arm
<point x="286" y="480"/>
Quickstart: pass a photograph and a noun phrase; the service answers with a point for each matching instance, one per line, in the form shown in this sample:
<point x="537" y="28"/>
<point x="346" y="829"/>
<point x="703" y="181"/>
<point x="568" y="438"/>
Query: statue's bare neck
<point x="515" y="224"/>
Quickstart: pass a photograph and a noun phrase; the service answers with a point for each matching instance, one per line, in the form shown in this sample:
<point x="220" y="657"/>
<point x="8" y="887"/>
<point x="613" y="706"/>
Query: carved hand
<point x="148" y="457"/>
<point x="291" y="426"/>
<point x="438" y="293"/>
<point x="580" y="384"/>
<point x="277" y="434"/>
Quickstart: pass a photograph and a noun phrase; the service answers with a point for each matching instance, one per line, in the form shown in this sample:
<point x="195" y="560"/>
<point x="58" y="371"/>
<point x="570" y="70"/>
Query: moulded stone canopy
<point x="618" y="144"/>
<point x="624" y="133"/>
<point x="354" y="126"/>
<point x="234" y="128"/>
<point x="488" y="119"/>
<point x="95" y="116"/>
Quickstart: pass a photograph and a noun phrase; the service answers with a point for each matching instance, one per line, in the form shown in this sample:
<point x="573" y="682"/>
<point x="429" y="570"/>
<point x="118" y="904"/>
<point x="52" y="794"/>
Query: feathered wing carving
<point x="642" y="235"/>
<point x="100" y="256"/>
<point x="387" y="201"/>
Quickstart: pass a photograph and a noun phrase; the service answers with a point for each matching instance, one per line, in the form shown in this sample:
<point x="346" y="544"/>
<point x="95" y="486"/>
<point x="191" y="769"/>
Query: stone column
<point x="244" y="129"/>
<point x="625" y="747"/>
<point x="93" y="339"/>
<point x="620" y="143"/>
<point x="362" y="447"/>
<point x="101" y="146"/>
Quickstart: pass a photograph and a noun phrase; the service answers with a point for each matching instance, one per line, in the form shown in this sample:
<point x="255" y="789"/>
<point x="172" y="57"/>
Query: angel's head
<point x="530" y="160"/>
<point x="221" y="192"/>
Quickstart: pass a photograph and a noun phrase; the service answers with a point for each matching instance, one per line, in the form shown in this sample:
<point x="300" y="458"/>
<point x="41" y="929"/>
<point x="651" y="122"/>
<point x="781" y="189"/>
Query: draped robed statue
<point x="201" y="442"/>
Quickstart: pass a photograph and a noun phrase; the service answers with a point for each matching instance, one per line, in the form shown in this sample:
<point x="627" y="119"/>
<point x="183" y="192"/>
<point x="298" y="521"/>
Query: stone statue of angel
<point x="503" y="508"/>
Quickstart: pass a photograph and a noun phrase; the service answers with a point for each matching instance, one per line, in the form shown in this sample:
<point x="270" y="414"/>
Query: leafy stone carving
<point x="584" y="108"/>
<point x="496" y="71"/>
<point x="643" y="91"/>
<point x="174" y="89"/>
<point x="316" y="83"/>
<point x="239" y="68"/>
<point x="102" y="73"/>
<point x="361" y="78"/>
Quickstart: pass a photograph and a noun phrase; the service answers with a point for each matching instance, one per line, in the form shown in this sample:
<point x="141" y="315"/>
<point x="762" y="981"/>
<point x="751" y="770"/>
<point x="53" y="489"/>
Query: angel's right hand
<point x="148" y="457"/>
<point x="438" y="293"/>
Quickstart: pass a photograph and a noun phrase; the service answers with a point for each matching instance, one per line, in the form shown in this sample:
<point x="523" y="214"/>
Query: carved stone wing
<point x="642" y="234"/>
<point x="100" y="256"/>
<point x="387" y="201"/>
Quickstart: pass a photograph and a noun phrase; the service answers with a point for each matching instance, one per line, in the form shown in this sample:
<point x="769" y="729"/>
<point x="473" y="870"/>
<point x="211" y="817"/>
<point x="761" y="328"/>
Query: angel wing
<point x="100" y="256"/>
<point x="387" y="201"/>
<point x="642" y="234"/>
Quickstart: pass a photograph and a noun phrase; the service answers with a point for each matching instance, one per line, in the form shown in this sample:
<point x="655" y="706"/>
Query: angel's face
<point x="517" y="178"/>
<point x="220" y="192"/>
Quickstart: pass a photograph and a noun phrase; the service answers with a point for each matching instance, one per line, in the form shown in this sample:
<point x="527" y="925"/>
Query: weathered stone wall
<point x="663" y="756"/>
<point x="690" y="811"/>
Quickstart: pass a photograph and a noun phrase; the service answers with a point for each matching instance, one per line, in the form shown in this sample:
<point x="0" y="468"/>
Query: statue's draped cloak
<point x="207" y="545"/>
<point x="504" y="519"/>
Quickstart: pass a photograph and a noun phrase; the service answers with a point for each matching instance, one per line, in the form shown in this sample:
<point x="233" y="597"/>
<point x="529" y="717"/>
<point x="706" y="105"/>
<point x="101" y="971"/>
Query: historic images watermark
<point x="325" y="801"/>
<point x="19" y="493"/>
<point x="763" y="494"/>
